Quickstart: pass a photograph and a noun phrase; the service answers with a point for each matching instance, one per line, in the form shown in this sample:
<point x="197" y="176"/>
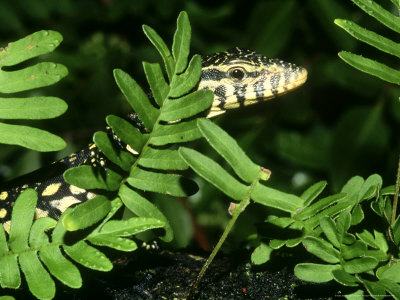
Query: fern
<point x="32" y="108"/>
<point x="384" y="44"/>
<point x="28" y="247"/>
<point x="326" y="227"/>
<point x="168" y="122"/>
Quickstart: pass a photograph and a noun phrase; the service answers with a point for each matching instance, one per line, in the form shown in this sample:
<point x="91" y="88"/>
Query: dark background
<point x="341" y="123"/>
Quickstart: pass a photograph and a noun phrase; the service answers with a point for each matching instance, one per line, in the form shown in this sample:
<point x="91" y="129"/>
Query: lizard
<point x="238" y="77"/>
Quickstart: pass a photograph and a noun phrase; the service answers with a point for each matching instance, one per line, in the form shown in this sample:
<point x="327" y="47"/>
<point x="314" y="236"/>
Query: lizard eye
<point x="237" y="74"/>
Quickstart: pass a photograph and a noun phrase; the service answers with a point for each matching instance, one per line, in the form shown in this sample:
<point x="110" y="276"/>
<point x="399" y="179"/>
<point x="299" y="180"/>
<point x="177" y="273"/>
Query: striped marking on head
<point x="242" y="77"/>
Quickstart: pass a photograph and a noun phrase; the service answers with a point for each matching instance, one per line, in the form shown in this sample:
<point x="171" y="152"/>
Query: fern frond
<point x="376" y="40"/>
<point x="32" y="77"/>
<point x="153" y="169"/>
<point x="29" y="248"/>
<point x="167" y="121"/>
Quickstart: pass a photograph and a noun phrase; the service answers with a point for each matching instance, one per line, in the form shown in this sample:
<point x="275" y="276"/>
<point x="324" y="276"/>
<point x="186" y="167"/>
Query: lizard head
<point x="241" y="77"/>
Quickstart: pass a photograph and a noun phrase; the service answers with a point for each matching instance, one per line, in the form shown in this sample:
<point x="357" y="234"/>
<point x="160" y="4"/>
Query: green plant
<point x="28" y="78"/>
<point x="337" y="229"/>
<point x="153" y="169"/>
<point x="384" y="44"/>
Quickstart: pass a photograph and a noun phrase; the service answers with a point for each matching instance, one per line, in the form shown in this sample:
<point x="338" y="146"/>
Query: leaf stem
<point x="396" y="195"/>
<point x="235" y="214"/>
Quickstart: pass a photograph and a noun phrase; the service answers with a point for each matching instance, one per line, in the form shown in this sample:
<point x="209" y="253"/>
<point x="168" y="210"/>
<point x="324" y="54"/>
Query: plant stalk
<point x="396" y="195"/>
<point x="224" y="235"/>
<point x="235" y="214"/>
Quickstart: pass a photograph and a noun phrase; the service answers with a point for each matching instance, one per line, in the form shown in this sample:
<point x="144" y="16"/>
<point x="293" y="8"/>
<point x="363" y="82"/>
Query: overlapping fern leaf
<point x="169" y="120"/>
<point x="374" y="39"/>
<point x="28" y="78"/>
<point x="324" y="226"/>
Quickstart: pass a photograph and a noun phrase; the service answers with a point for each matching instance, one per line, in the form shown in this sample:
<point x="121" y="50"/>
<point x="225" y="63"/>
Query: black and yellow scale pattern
<point x="237" y="77"/>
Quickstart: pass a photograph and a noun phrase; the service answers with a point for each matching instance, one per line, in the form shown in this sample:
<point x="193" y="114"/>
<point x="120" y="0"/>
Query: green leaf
<point x="3" y="244"/>
<point x="130" y="227"/>
<point x="162" y="48"/>
<point x="357" y="249"/>
<point x="388" y="190"/>
<point x="380" y="240"/>
<point x="392" y="273"/>
<point x="344" y="278"/>
<point x="88" y="256"/>
<point x="181" y="44"/>
<point x="187" y="106"/>
<point x="378" y="254"/>
<point x="38" y="236"/>
<point x="214" y="173"/>
<point x="126" y="132"/>
<point x="229" y="149"/>
<point x="182" y="84"/>
<point x="357" y="295"/>
<point x="330" y="211"/>
<point x="32" y="108"/>
<point x="137" y="99"/>
<point x="87" y="213"/>
<point x="32" y="138"/>
<point x="179" y="220"/>
<point x="371" y="67"/>
<point x="39" y="75"/>
<point x="369" y="37"/>
<point x="105" y="145"/>
<point x="310" y="194"/>
<point x="374" y="288"/>
<point x="357" y="215"/>
<point x="60" y="267"/>
<point x="39" y="281"/>
<point x="21" y="220"/>
<point x="88" y="178"/>
<point x="144" y="208"/>
<point x="349" y="239"/>
<point x="353" y="186"/>
<point x="280" y="222"/>
<point x="175" y="133"/>
<point x="122" y="159"/>
<point x="277" y="244"/>
<point x="112" y="241"/>
<point x="261" y="254"/>
<point x="371" y="187"/>
<point x="159" y="88"/>
<point x="392" y="287"/>
<point x="162" y="159"/>
<point x="7" y="298"/>
<point x="360" y="265"/>
<point x="396" y="2"/>
<point x="9" y="272"/>
<point x="375" y="10"/>
<point x="35" y="44"/>
<point x="319" y="205"/>
<point x="321" y="249"/>
<point x="343" y="223"/>
<point x="315" y="272"/>
<point x="396" y="230"/>
<point x="367" y="238"/>
<point x="169" y="184"/>
<point x="275" y="198"/>
<point x="116" y="204"/>
<point x="328" y="226"/>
